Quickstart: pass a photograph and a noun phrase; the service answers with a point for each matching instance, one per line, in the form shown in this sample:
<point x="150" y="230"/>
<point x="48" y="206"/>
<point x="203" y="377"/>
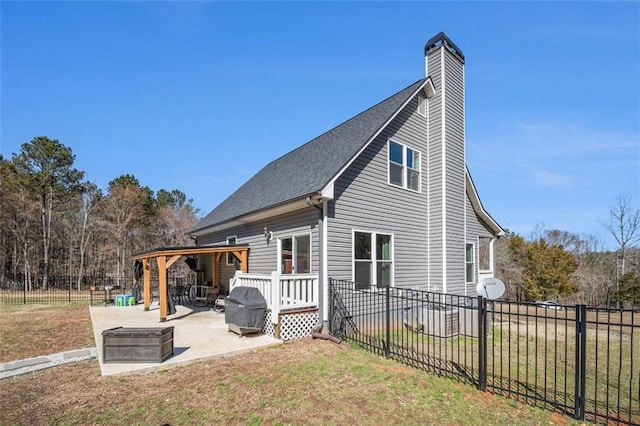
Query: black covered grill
<point x="244" y="310"/>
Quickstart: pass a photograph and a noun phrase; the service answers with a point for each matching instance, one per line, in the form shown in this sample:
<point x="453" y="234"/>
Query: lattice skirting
<point x="269" y="327"/>
<point x="297" y="325"/>
<point x="293" y="325"/>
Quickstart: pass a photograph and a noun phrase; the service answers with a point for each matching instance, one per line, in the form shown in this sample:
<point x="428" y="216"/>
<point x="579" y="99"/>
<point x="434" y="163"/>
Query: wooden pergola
<point x="167" y="256"/>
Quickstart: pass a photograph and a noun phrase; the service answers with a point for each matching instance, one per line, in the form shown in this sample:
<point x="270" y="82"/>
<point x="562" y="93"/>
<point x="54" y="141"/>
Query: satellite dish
<point x="491" y="288"/>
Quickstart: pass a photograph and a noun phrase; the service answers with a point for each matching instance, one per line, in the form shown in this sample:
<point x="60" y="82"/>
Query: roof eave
<point x="294" y="204"/>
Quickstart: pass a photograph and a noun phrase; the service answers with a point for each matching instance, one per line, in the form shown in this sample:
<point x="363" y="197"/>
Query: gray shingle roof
<point x="309" y="168"/>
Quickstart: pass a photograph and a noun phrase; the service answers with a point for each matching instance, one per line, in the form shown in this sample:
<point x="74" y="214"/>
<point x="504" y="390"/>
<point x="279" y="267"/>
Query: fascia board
<point x="477" y="206"/>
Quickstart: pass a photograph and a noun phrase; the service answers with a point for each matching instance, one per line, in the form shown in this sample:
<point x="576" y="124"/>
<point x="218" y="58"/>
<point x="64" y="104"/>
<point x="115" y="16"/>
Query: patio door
<point x="295" y="254"/>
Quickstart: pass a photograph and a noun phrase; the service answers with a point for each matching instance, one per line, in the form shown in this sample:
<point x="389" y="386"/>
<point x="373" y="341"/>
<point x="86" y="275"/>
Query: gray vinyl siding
<point x="455" y="174"/>
<point x="262" y="256"/>
<point x="435" y="176"/>
<point x="364" y="201"/>
<point x="447" y="173"/>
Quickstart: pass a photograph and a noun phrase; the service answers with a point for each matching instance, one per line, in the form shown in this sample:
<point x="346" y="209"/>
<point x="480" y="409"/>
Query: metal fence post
<point x="387" y="346"/>
<point x="581" y="361"/>
<point x="482" y="343"/>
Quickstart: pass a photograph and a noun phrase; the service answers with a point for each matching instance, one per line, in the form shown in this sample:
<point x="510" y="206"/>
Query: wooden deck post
<point x="275" y="296"/>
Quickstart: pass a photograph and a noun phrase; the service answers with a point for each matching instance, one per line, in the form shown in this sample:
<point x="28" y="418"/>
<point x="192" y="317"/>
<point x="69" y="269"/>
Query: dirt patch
<point x="35" y="330"/>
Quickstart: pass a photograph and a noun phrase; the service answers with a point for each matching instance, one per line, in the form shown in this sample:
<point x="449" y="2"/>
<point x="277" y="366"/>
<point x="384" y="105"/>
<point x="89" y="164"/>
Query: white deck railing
<point x="281" y="291"/>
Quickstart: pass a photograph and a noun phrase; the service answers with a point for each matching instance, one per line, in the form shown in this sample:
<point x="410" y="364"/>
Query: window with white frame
<point x="372" y="259"/>
<point x="295" y="254"/>
<point x="404" y="166"/>
<point x="231" y="241"/>
<point x="470" y="264"/>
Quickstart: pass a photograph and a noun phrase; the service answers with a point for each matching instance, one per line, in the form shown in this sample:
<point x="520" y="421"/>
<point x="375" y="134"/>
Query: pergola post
<point x="147" y="283"/>
<point x="162" y="278"/>
<point x="214" y="268"/>
<point x="244" y="261"/>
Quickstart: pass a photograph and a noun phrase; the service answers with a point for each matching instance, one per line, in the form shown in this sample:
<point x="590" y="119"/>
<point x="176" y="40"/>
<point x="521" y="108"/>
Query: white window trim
<point x="227" y="254"/>
<point x="374" y="260"/>
<point x="474" y="261"/>
<point x="404" y="166"/>
<point x="294" y="249"/>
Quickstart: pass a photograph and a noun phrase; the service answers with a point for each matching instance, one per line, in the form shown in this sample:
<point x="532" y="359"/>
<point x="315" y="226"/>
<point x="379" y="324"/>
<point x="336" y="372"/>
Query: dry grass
<point x="33" y="330"/>
<point x="302" y="382"/>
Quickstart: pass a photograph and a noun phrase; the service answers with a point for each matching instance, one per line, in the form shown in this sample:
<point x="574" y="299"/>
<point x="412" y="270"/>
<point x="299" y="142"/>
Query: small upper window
<point x="404" y="166"/>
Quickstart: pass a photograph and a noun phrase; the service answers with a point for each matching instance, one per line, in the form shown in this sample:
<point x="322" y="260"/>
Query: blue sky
<point x="198" y="96"/>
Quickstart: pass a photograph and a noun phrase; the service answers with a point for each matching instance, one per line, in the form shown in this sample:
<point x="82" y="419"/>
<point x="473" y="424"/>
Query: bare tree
<point x="623" y="225"/>
<point x="90" y="199"/>
<point x="123" y="209"/>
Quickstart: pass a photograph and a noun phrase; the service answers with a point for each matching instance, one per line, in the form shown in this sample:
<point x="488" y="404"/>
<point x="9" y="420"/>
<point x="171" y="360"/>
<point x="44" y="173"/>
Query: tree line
<point x="56" y="223"/>
<point x="568" y="268"/>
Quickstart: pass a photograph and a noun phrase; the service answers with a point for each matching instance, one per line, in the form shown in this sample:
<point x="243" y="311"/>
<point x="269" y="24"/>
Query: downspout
<point x="322" y="289"/>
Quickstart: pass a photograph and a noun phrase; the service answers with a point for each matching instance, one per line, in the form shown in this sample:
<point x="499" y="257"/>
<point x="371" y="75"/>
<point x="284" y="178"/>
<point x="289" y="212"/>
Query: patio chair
<point x="217" y="299"/>
<point x="178" y="294"/>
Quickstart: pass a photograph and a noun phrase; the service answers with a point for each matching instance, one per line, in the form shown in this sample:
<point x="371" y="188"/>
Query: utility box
<point x="137" y="344"/>
<point x="440" y="322"/>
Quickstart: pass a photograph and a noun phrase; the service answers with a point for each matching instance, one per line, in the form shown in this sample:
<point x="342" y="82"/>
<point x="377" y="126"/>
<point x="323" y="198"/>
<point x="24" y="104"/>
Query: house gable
<point x="365" y="201"/>
<point x="312" y="168"/>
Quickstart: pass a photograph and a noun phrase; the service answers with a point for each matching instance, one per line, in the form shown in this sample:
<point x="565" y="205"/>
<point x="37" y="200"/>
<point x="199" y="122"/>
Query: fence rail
<point x="62" y="289"/>
<point x="584" y="362"/>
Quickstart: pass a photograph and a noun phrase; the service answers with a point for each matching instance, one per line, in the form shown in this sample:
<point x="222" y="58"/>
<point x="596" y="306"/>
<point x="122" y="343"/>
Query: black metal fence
<point x="584" y="362"/>
<point x="61" y="289"/>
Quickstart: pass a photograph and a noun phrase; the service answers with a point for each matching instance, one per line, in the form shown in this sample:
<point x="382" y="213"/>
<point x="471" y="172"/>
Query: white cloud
<point x="549" y="179"/>
<point x="548" y="154"/>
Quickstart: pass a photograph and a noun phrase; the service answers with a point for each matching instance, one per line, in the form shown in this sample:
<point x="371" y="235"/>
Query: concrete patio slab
<point x="199" y="333"/>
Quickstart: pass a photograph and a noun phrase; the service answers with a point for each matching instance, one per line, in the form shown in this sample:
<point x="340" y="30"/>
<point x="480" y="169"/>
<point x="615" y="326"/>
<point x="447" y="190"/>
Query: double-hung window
<point x="372" y="259"/>
<point x="470" y="264"/>
<point x="404" y="166"/>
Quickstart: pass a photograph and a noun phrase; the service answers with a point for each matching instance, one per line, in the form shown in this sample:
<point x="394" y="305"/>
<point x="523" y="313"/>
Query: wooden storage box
<point x="137" y="344"/>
